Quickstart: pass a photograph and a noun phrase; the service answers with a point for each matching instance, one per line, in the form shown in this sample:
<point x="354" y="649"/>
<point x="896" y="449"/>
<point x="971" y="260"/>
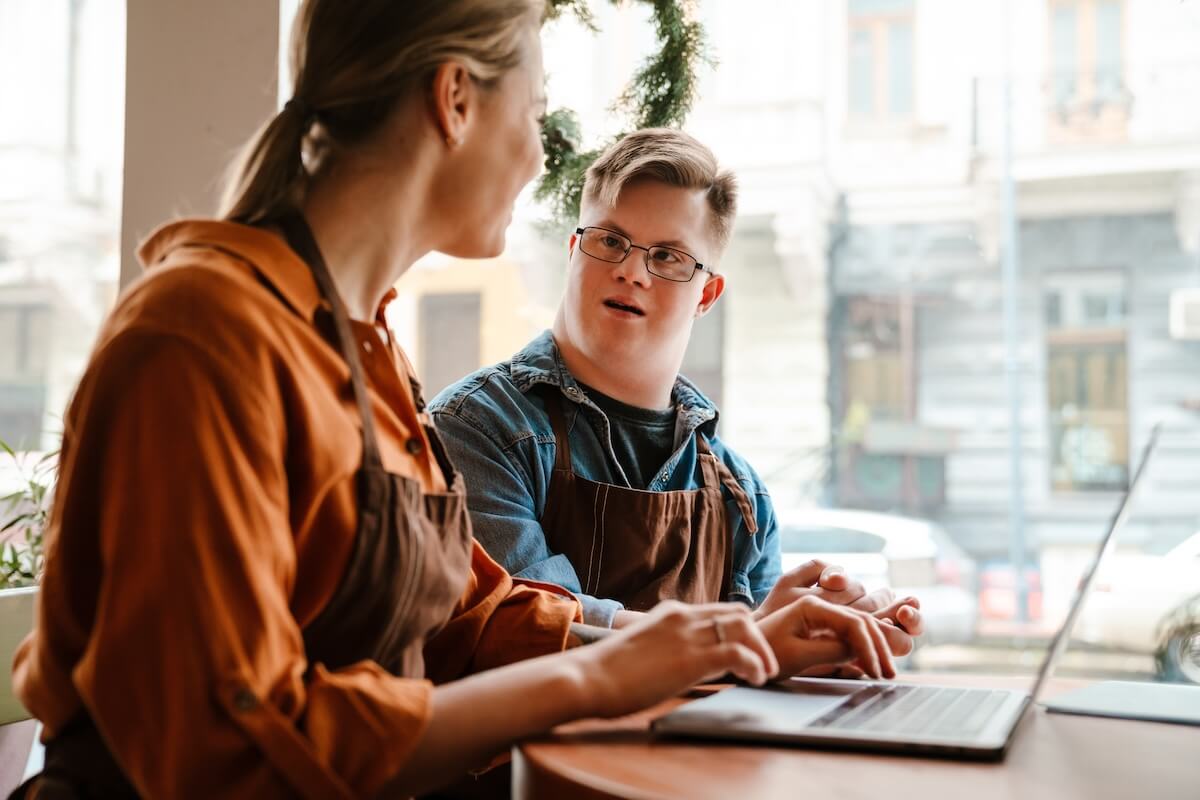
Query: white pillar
<point x="200" y="79"/>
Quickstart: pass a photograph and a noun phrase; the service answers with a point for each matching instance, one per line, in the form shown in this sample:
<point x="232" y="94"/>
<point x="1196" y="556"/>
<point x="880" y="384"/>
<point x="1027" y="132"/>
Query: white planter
<point x="16" y="620"/>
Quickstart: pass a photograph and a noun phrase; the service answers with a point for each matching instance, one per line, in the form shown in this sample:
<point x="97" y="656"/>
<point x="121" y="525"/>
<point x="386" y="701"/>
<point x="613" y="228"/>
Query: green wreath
<point x="660" y="95"/>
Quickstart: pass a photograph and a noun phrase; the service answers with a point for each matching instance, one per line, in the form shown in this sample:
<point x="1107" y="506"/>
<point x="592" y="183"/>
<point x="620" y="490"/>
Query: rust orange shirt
<point x="205" y="511"/>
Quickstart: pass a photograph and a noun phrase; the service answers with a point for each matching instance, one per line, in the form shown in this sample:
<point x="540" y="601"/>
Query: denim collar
<point x="541" y="363"/>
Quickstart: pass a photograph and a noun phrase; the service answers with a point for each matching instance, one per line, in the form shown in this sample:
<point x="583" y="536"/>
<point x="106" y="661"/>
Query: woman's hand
<point x="813" y="636"/>
<point x="670" y="649"/>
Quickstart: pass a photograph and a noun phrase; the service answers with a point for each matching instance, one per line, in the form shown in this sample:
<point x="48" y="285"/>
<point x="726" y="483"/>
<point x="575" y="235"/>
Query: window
<point x="61" y="143"/>
<point x="880" y="58"/>
<point x="23" y="359"/>
<point x="876" y="375"/>
<point x="1087" y="80"/>
<point x="1087" y="377"/>
<point x="449" y="338"/>
<point x="704" y="361"/>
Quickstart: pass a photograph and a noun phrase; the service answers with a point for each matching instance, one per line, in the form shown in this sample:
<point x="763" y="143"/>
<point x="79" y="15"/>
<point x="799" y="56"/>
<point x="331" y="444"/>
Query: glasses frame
<point x="646" y="254"/>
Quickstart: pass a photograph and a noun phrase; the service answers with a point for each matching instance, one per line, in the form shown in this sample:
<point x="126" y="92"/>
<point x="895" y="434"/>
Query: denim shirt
<point x="496" y="429"/>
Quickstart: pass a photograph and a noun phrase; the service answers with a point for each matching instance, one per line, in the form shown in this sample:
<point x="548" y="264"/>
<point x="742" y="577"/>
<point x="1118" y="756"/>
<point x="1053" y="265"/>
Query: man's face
<point x="613" y="312"/>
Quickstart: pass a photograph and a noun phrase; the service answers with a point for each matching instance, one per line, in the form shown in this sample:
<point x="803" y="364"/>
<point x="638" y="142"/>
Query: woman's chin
<point x="484" y="247"/>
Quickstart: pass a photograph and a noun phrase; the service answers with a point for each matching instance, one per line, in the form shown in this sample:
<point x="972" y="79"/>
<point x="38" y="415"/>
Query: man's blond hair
<point x="670" y="156"/>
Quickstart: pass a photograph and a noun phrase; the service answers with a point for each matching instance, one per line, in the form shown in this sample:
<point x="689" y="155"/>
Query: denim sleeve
<point x="767" y="569"/>
<point x="504" y="512"/>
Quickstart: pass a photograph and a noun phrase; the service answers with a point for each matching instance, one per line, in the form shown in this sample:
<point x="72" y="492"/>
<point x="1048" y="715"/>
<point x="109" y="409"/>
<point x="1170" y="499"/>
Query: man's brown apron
<point x="641" y="547"/>
<point x="409" y="564"/>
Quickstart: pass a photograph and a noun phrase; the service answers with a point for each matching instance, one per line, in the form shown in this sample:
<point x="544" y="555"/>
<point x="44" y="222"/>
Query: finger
<point x="805" y="575"/>
<point x="841" y="671"/>
<point x="743" y="629"/>
<point x="911" y="620"/>
<point x="736" y="623"/>
<point x="853" y="592"/>
<point x="899" y="641"/>
<point x="861" y="632"/>
<point x="740" y="660"/>
<point x="833" y="578"/>
<point x="870" y="603"/>
<point x="884" y="649"/>
<point x="905" y="613"/>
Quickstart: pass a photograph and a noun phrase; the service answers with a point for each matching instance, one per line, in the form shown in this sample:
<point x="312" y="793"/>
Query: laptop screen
<point x="1059" y="643"/>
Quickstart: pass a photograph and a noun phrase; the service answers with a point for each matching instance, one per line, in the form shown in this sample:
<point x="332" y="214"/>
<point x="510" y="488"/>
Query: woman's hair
<point x="672" y="157"/>
<point x="351" y="62"/>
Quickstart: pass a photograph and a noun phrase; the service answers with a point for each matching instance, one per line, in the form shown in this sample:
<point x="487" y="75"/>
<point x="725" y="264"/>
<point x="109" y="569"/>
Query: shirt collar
<point x="264" y="250"/>
<point x="540" y="362"/>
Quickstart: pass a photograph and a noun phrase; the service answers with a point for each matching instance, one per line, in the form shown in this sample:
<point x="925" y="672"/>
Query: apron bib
<point x="640" y="547"/>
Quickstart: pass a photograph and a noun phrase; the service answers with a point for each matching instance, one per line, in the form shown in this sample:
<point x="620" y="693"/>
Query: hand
<point x="812" y="634"/>
<point x="829" y="582"/>
<point x="670" y="649"/>
<point x="826" y="581"/>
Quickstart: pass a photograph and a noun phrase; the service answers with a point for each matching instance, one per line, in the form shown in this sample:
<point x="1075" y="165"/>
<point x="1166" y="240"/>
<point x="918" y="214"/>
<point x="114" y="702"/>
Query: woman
<point x="261" y="581"/>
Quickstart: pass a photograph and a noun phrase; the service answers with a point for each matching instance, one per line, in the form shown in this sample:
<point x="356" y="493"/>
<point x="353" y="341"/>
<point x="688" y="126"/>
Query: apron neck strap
<point x="562" y="445"/>
<point x="726" y="478"/>
<point x="300" y="238"/>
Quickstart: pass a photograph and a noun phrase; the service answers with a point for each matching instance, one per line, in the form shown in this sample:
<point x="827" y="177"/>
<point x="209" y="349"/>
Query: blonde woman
<point x="261" y="579"/>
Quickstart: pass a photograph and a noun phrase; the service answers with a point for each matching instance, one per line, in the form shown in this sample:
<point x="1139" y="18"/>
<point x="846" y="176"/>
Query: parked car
<point x="911" y="556"/>
<point x="1140" y="603"/>
<point x="998" y="591"/>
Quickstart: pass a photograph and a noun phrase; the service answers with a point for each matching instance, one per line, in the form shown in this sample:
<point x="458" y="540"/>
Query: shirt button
<point x="414" y="446"/>
<point x="367" y="345"/>
<point x="573" y="393"/>
<point x="244" y="700"/>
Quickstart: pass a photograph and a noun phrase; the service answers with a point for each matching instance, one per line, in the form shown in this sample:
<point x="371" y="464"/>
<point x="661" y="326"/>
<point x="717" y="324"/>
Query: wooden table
<point x="1054" y="756"/>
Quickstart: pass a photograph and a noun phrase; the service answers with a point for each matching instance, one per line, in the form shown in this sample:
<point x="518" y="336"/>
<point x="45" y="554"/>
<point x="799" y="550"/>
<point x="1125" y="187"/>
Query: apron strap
<point x="726" y="479"/>
<point x="562" y="444"/>
<point x="299" y="236"/>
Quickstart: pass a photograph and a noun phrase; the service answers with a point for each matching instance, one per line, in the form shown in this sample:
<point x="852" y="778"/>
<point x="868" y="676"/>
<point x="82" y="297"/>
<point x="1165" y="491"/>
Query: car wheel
<point x="1180" y="661"/>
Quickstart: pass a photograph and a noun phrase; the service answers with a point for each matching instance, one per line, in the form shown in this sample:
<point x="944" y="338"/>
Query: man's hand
<point x="830" y="583"/>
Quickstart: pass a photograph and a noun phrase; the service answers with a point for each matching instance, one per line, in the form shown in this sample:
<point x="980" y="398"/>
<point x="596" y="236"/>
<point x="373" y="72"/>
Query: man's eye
<point x="665" y="257"/>
<point x="611" y="241"/>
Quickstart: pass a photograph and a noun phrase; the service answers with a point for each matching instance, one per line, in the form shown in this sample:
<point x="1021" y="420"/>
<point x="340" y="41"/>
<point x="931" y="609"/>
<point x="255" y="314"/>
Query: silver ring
<point x="718" y="631"/>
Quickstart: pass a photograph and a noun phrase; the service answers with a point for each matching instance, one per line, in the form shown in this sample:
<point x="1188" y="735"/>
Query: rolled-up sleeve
<point x="174" y="523"/>
<point x="504" y="516"/>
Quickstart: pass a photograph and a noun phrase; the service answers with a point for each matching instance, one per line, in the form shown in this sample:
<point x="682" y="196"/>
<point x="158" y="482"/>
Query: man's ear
<point x="452" y="99"/>
<point x="574" y="240"/>
<point x="714" y="287"/>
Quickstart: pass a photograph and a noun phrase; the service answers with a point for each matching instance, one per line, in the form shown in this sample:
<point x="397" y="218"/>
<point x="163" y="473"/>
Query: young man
<point x="590" y="461"/>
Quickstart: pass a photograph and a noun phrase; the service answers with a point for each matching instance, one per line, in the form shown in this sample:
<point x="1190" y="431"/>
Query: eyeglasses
<point x="665" y="262"/>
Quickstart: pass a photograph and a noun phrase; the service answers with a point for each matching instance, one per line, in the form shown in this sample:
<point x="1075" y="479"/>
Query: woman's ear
<point x="714" y="287"/>
<point x="453" y="98"/>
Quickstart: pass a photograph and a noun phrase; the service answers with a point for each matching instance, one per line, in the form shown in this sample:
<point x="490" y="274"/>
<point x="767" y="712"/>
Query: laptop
<point x="970" y="723"/>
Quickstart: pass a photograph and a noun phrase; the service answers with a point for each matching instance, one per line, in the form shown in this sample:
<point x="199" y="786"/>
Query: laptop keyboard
<point x="915" y="710"/>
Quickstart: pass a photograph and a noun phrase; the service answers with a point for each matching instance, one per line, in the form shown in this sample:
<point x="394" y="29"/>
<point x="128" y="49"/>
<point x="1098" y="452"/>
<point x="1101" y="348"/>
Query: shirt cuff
<point x="598" y="611"/>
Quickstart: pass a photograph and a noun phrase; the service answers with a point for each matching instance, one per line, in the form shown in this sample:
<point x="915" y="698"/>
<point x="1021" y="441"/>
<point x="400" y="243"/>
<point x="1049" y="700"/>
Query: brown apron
<point x="409" y="564"/>
<point x="641" y="547"/>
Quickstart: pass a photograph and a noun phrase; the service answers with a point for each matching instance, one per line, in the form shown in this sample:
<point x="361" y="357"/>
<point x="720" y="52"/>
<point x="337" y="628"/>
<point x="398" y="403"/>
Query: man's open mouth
<point x="619" y="306"/>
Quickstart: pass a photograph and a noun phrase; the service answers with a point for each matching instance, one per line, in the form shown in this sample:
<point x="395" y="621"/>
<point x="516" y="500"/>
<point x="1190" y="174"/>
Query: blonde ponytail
<point x="268" y="177"/>
<point x="351" y="63"/>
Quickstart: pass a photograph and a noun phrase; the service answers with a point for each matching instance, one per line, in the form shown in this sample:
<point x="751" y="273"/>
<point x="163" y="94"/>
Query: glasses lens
<point x="674" y="265"/>
<point x="605" y="245"/>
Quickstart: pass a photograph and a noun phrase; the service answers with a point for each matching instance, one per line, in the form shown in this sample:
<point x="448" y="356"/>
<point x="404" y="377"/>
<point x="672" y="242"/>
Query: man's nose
<point x="633" y="268"/>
